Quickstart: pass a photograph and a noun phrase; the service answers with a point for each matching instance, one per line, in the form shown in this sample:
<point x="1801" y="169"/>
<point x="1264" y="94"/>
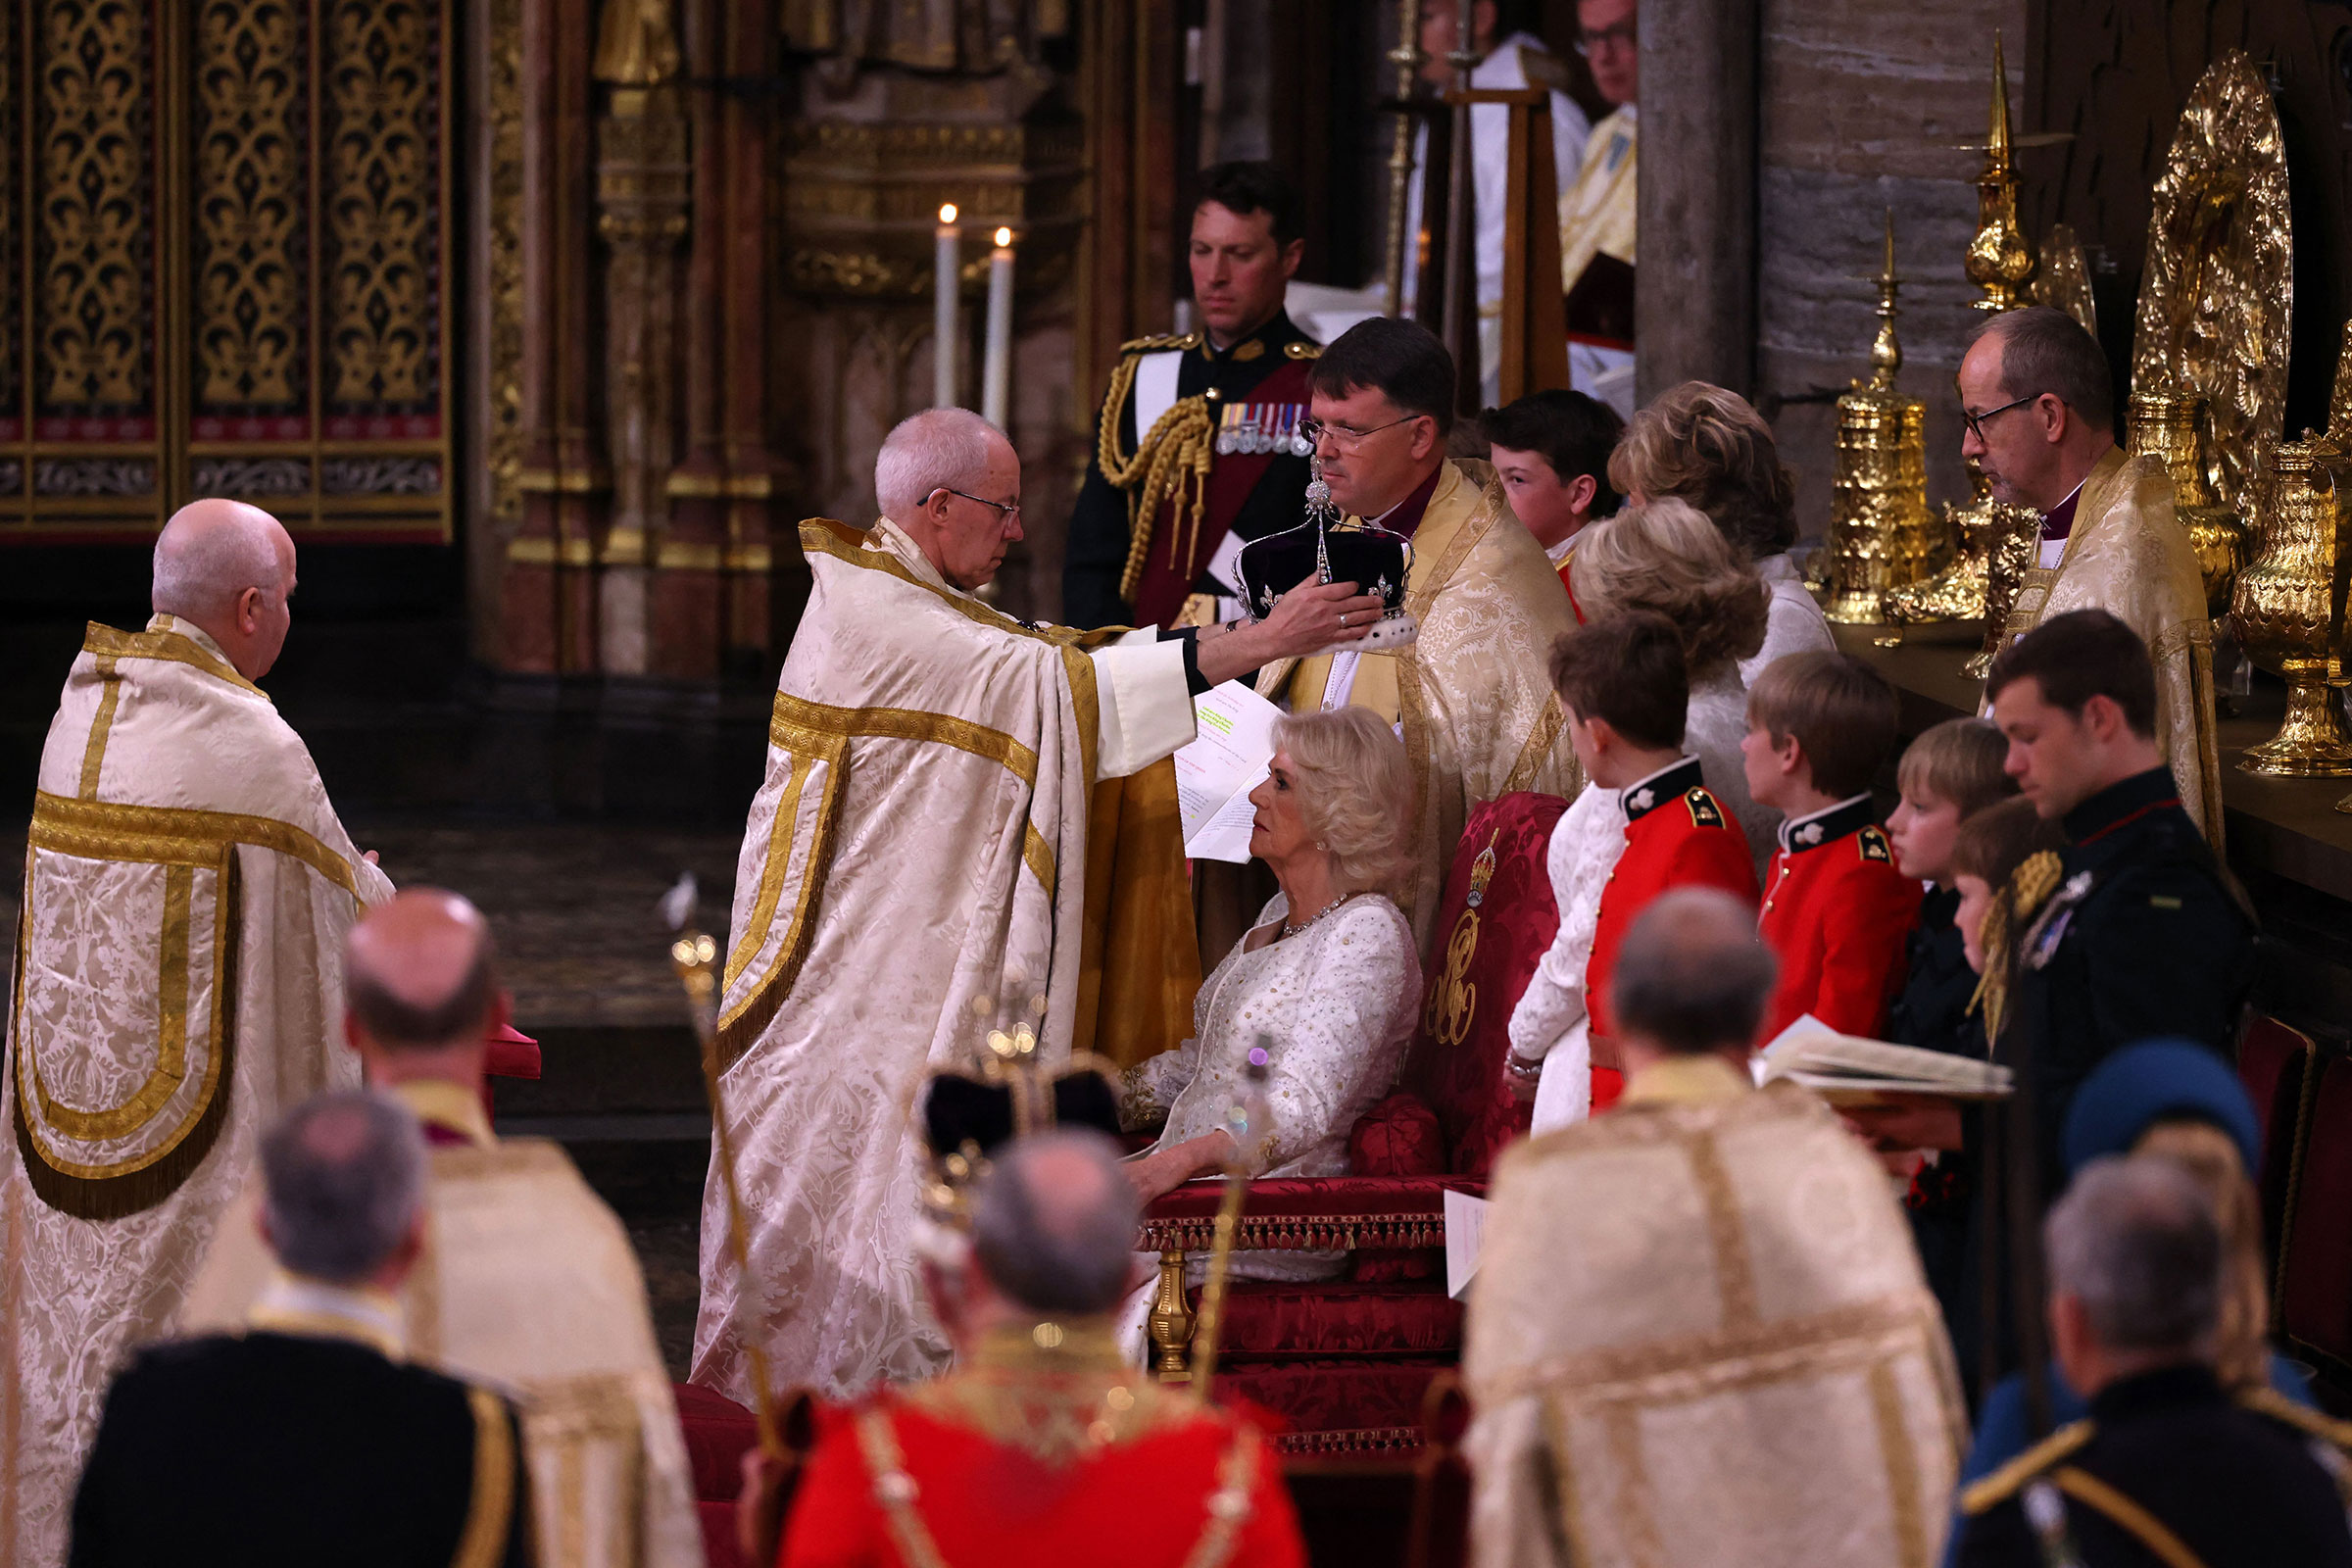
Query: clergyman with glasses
<point x="1469" y="696"/>
<point x="1596" y="213"/>
<point x="914" y="873"/>
<point x="2037" y="404"/>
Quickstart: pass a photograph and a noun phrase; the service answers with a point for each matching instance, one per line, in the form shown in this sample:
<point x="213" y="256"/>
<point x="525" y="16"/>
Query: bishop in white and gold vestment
<point x="528" y="1283"/>
<point x="912" y="875"/>
<point x="2116" y="545"/>
<point x="1699" y="1335"/>
<point x="1471" y="694"/>
<point x="178" y="977"/>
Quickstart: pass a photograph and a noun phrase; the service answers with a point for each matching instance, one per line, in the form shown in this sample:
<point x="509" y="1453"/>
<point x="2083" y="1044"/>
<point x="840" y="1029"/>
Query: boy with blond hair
<point x="1837" y="912"/>
<point x="1946" y="776"/>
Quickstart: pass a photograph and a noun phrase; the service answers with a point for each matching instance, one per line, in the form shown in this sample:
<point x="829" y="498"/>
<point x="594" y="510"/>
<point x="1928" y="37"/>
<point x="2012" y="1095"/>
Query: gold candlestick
<point x="1881" y="535"/>
<point x="2169" y="426"/>
<point x="2290" y="606"/>
<point x="1999" y="261"/>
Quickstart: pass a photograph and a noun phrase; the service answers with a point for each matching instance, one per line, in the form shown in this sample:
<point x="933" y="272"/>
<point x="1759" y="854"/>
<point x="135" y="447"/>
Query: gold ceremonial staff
<point x="695" y="956"/>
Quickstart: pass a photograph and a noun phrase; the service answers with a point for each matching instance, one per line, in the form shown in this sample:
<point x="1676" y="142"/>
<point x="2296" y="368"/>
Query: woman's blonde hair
<point x="1355" y="795"/>
<point x="1666" y="556"/>
<point x="1708" y="445"/>
<point x="2242" y="1348"/>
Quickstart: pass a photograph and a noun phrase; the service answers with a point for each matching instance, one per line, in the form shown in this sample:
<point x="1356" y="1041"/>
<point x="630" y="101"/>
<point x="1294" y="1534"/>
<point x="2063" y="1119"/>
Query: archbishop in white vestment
<point x="913" y="875"/>
<point x="179" y="973"/>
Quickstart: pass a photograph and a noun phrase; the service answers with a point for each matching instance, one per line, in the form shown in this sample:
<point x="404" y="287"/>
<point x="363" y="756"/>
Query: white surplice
<point x="178" y="978"/>
<point x="912" y="874"/>
<point x="1552" y="1022"/>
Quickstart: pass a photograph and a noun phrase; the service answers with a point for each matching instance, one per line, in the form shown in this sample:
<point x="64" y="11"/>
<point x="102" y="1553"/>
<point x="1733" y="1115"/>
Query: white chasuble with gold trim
<point x="1699" y="1333"/>
<point x="912" y="876"/>
<point x="177" y="983"/>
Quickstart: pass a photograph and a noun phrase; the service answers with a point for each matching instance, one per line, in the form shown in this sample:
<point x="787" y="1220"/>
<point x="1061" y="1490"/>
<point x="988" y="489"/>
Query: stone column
<point x="549" y="594"/>
<point x="642" y="190"/>
<point x="754" y="562"/>
<point x="1694" y="310"/>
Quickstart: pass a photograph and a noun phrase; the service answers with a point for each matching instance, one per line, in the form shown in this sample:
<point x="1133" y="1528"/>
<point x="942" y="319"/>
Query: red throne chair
<point x="1347" y="1363"/>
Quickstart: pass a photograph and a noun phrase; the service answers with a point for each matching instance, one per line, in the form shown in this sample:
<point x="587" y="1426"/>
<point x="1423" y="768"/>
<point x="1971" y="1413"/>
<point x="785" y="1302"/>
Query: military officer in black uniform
<point x="2169" y="1470"/>
<point x="308" y="1440"/>
<point x="2141" y="933"/>
<point x="1197" y="445"/>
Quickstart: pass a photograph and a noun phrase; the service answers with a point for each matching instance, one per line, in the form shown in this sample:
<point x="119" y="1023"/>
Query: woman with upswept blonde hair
<point x="1708" y="445"/>
<point x="1665" y="555"/>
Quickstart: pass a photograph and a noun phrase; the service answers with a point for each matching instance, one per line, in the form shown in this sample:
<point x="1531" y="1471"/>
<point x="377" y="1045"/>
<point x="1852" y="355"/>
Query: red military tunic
<point x="1835" y="914"/>
<point x="1676" y="835"/>
<point x="1033" y="1454"/>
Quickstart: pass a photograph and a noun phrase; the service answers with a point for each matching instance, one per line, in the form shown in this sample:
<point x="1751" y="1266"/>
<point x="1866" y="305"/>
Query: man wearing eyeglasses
<point x="1469" y="696"/>
<point x="1597" y="213"/>
<point x="1197" y="448"/>
<point x="2037" y="399"/>
<point x="942" y="847"/>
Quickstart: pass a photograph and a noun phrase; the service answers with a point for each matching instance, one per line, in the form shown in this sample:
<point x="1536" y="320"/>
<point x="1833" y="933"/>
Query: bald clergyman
<point x="187" y="890"/>
<point x="913" y="872"/>
<point x="528" y="1281"/>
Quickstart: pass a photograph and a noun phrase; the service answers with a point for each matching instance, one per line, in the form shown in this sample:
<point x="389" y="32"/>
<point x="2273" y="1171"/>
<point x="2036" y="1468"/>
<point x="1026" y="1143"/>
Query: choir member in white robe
<point x="187" y="888"/>
<point x="912" y="875"/>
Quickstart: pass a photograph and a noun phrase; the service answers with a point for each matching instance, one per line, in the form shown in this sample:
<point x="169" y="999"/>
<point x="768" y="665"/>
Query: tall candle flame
<point x="947" y="212"/>
<point x="1004" y="238"/>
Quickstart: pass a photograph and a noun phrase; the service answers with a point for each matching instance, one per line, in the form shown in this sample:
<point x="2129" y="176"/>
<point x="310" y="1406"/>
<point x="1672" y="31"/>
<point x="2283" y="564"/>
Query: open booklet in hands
<point x="1848" y="1071"/>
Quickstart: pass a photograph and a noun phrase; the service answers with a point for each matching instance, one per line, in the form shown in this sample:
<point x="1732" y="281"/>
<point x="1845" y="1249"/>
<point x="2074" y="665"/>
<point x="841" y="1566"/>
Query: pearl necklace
<point x="1290" y="930"/>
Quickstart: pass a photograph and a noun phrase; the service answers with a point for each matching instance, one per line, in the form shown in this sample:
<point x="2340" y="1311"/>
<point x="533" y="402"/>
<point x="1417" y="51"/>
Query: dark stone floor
<point x="585" y="956"/>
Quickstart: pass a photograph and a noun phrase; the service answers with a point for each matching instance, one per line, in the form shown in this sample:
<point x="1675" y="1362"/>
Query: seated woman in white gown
<point x="1327" y="979"/>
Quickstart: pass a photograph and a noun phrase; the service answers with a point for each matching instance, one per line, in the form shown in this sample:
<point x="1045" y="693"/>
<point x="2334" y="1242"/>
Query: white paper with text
<point x="1232" y="744"/>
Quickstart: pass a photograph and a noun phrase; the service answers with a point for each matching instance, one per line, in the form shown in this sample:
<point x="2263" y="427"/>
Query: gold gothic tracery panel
<point x="225" y="231"/>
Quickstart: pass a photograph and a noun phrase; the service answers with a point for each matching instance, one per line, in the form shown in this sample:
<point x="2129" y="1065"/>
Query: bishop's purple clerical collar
<point x="2059" y="521"/>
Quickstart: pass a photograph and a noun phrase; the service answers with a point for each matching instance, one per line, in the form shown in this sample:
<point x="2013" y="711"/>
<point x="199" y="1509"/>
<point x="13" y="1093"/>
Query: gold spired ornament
<point x="2167" y="427"/>
<point x="1998" y="259"/>
<point x="1997" y="544"/>
<point x="2218" y="293"/>
<point x="2063" y="280"/>
<point x="2289" y="608"/>
<point x="1881" y="534"/>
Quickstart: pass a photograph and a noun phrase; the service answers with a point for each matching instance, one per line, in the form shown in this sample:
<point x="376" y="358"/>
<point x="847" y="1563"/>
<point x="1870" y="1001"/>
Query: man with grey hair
<point x="1103" y="1465"/>
<point x="2038" y="409"/>
<point x="186" y="894"/>
<point x="993" y="801"/>
<point x="307" y="1438"/>
<point x="1705" y="1282"/>
<point x="2168" y="1467"/>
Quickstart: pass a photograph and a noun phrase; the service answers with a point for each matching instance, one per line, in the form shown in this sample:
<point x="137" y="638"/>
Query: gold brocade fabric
<point x="1598" y="212"/>
<point x="1472" y="693"/>
<point x="1699" y="1333"/>
<point x="1141" y="964"/>
<point x="178" y="977"/>
<point x="527" y="1283"/>
<point x="2129" y="555"/>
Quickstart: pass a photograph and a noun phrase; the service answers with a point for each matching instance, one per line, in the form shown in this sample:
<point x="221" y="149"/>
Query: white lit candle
<point x="943" y="310"/>
<point x="996" y="364"/>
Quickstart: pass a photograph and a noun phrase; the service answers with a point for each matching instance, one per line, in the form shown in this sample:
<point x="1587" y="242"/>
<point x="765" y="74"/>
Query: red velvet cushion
<point x="1334" y="1395"/>
<point x="2316" y="1304"/>
<point x="2271" y="1061"/>
<point x="510" y="1053"/>
<point x="1399" y="1137"/>
<point x="719" y="1433"/>
<point x="1269" y="1319"/>
<point x="718" y="1534"/>
<point x="1479" y="964"/>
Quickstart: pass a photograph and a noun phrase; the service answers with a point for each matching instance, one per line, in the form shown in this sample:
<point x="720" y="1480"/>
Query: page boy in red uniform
<point x="1837" y="910"/>
<point x="1648" y="824"/>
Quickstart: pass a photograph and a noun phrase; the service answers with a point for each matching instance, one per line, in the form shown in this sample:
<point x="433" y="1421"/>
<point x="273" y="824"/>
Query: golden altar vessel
<point x="1881" y="535"/>
<point x="2289" y="608"/>
<point x="2168" y="427"/>
<point x="2215" y="299"/>
<point x="1999" y="261"/>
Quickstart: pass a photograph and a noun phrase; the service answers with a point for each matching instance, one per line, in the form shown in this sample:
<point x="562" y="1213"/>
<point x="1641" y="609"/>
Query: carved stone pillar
<point x="1694" y="309"/>
<point x="710" y="609"/>
<point x="642" y="190"/>
<point x="548" y="594"/>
